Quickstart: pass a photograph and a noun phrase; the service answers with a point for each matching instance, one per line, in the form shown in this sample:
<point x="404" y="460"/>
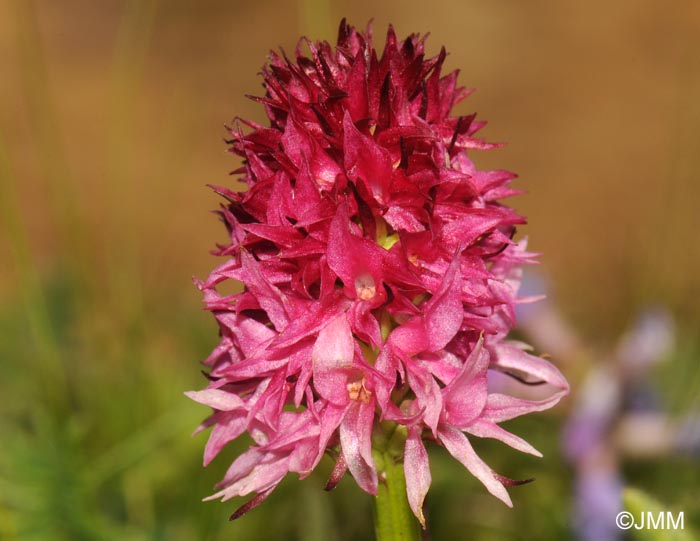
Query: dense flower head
<point x="380" y="276"/>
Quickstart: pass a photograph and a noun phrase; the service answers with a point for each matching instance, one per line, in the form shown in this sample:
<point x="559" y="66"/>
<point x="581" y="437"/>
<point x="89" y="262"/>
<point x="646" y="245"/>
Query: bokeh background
<point x="111" y="124"/>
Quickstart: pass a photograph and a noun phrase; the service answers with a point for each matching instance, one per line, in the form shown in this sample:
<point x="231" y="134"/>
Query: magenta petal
<point x="270" y="297"/>
<point x="364" y="324"/>
<point x="334" y="347"/>
<point x="295" y="142"/>
<point x="459" y="447"/>
<point x="410" y="337"/>
<point x="303" y="457"/>
<point x="466" y="230"/>
<point x="402" y="219"/>
<point x="251" y="334"/>
<point x="387" y="365"/>
<point x="356" y="443"/>
<point x="442" y="319"/>
<point x="444" y="311"/>
<point x="332" y="356"/>
<point x="293" y="428"/>
<point x="356" y="260"/>
<point x="366" y="160"/>
<point x="465" y="396"/>
<point x="330" y="420"/>
<point x="417" y="472"/>
<point x="427" y="393"/>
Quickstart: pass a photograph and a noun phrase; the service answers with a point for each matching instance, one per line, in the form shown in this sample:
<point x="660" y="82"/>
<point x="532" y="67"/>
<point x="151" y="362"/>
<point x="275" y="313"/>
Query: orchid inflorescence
<point x="380" y="277"/>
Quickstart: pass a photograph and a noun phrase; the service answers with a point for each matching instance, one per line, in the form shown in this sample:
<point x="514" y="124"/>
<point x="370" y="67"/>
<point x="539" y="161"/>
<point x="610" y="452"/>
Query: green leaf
<point x="639" y="503"/>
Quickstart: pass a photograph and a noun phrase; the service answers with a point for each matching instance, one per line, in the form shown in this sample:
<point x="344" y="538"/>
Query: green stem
<point x="393" y="519"/>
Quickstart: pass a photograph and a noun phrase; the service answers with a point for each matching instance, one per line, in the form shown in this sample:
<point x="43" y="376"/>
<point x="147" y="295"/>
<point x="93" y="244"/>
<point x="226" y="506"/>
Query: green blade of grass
<point x="49" y="366"/>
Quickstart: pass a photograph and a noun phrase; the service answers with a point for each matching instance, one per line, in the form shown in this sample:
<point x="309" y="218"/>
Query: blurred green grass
<point x="100" y="331"/>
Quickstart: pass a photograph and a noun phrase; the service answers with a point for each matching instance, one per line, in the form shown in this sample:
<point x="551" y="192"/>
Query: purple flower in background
<point x="379" y="272"/>
<point x="616" y="412"/>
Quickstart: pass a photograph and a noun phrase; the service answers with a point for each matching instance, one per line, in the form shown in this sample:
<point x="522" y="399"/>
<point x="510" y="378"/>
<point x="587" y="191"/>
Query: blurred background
<point x="111" y="124"/>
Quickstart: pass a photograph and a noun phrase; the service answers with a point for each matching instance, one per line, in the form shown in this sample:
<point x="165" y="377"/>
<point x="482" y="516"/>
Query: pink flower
<point x="380" y="276"/>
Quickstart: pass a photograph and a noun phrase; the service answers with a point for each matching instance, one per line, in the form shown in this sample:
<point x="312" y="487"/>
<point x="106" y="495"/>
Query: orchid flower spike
<point x="380" y="277"/>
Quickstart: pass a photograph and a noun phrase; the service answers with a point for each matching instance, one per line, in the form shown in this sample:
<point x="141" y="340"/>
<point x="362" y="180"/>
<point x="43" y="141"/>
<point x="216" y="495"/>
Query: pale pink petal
<point x="241" y="467"/>
<point x="217" y="399"/>
<point x="459" y="447"/>
<point x="261" y="477"/>
<point x="356" y="444"/>
<point x="223" y="433"/>
<point x="487" y="429"/>
<point x="417" y="472"/>
<point x="502" y="407"/>
<point x="513" y="358"/>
